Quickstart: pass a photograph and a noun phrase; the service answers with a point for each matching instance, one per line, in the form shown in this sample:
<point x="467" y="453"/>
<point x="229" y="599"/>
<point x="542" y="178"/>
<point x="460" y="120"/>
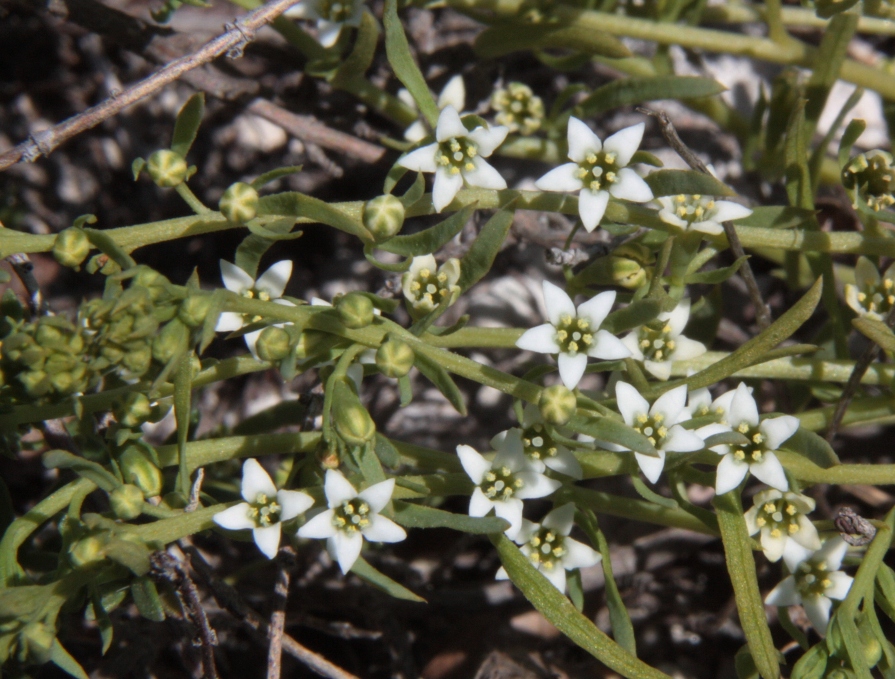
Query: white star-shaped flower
<point x="781" y="519"/>
<point x="425" y="284"/>
<point x="331" y="16"/>
<point x="539" y="446"/>
<point x="815" y="581"/>
<point x="765" y="436"/>
<point x="660" y="342"/>
<point x="574" y="334"/>
<point x="269" y="287"/>
<point x="502" y="484"/>
<point x="551" y="550"/>
<point x="264" y="509"/>
<point x="598" y="170"/>
<point x="659" y="423"/>
<point x="453" y="94"/>
<point x="351" y="518"/>
<point x="871" y="295"/>
<point x="456" y="157"/>
<point x="700" y="213"/>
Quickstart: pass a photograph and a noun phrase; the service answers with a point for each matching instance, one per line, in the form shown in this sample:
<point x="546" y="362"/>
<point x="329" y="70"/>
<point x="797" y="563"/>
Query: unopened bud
<point x="353" y="422"/>
<point x="812" y="665"/>
<point x="127" y="501"/>
<point x="328" y="456"/>
<point x="35" y="382"/>
<point x="384" y="217"/>
<point x="34" y="643"/>
<point x="172" y="340"/>
<point x="394" y="358"/>
<point x="167" y="168"/>
<point x="355" y="310"/>
<point x="274" y="344"/>
<point x="138" y="359"/>
<point x="239" y="203"/>
<point x="139" y="470"/>
<point x="557" y="404"/>
<point x="71" y="247"/>
<point x="134" y="411"/>
<point x="87" y="551"/>
<point x="194" y="309"/>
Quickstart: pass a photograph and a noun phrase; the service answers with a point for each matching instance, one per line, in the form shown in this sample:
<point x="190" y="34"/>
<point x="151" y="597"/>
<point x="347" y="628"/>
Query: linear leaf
<point x="187" y="125"/>
<point x="505" y="39"/>
<point x="295" y="204"/>
<point x="64" y="661"/>
<point x="61" y="459"/>
<point x="362" y="53"/>
<point x="397" y="50"/>
<point x="630" y="91"/>
<point x="442" y="381"/>
<point x="676" y="182"/>
<point x="430" y="240"/>
<point x="365" y="571"/>
<point x="613" y="431"/>
<point x="421" y="516"/>
<point x="876" y="331"/>
<point x="147" y="600"/>
<point x="478" y="259"/>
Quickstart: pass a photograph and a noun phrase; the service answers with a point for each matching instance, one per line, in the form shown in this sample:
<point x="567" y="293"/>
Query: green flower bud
<point x="239" y="203"/>
<point x="134" y="411"/>
<point x="139" y="470"/>
<point x="557" y="404"/>
<point x="355" y="310"/>
<point x="167" y="168"/>
<point x="873" y="650"/>
<point x="172" y="340"/>
<point x="394" y="358"/>
<point x="194" y="309"/>
<point x="384" y="217"/>
<point x="71" y="247"/>
<point x="137" y="359"/>
<point x="87" y="551"/>
<point x="35" y="382"/>
<point x="812" y="665"/>
<point x="629" y="265"/>
<point x="126" y="502"/>
<point x="274" y="344"/>
<point x="870" y="178"/>
<point x="34" y="643"/>
<point x="353" y="422"/>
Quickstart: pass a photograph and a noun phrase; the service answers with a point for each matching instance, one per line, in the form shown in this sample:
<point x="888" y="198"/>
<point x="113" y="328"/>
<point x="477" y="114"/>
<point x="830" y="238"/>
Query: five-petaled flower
<point x="781" y="519"/>
<point x="814" y="583"/>
<point x="331" y="16"/>
<point x="756" y="455"/>
<point x="550" y="549"/>
<point x="268" y="288"/>
<point x="700" y="213"/>
<point x="264" y="509"/>
<point x="574" y="334"/>
<point x="871" y="295"/>
<point x="599" y="170"/>
<point x="426" y="285"/>
<point x="456" y="157"/>
<point x="351" y="518"/>
<point x="502" y="484"/>
<point x="660" y="342"/>
<point x="539" y="446"/>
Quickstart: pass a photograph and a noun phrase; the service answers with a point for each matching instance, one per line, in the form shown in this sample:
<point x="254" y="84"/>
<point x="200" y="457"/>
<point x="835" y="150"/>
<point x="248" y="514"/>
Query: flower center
<point x="656" y="341"/>
<point x="518" y="109"/>
<point x="653" y="427"/>
<point x="812" y="578"/>
<point x="871" y="174"/>
<point x="547" y="549"/>
<point x="264" y="511"/>
<point x="878" y="298"/>
<point x="456" y="155"/>
<point x="753" y="451"/>
<point x="352" y="516"/>
<point x="335" y="11"/>
<point x="537" y="442"/>
<point x="574" y="335"/>
<point x="430" y="288"/>
<point x="781" y="517"/>
<point x="598" y="170"/>
<point x="500" y="484"/>
<point x="260" y="295"/>
<point x="694" y="208"/>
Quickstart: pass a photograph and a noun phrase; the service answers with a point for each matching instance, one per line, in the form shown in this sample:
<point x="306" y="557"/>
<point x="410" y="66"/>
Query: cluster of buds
<point x="518" y="108"/>
<point x="870" y="178"/>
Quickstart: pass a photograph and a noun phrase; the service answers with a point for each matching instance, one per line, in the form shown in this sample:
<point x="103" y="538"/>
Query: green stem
<point x="866" y="474"/>
<point x="191" y="199"/>
<point x="740" y="13"/>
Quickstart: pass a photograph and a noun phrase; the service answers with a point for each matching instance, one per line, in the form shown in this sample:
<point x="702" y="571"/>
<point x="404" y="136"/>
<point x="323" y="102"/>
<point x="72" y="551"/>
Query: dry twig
<point x="278" y="616"/>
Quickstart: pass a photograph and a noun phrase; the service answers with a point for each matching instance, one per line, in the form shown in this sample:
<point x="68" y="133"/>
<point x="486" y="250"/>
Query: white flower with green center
<point x="814" y="583"/>
<point x="264" y="509"/>
<point x="504" y="482"/>
<point x="781" y="519"/>
<point x="598" y="170"/>
<point x="660" y="342"/>
<point x="426" y="285"/>
<point x="659" y="423"/>
<point x="550" y="549"/>
<point x="453" y="94"/>
<point x="574" y="334"/>
<point x="352" y="517"/>
<point x="540" y="448"/>
<point x="871" y="295"/>
<point x="763" y="436"/>
<point x="331" y="16"/>
<point x="518" y="108"/>
<point x="269" y="287"/>
<point x="692" y="212"/>
<point x="456" y="157"/>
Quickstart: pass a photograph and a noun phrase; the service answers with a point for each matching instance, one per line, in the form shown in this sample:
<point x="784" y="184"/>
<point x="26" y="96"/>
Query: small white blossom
<point x="425" y="284"/>
<point x="781" y="519"/>
<point x="269" y="287"/>
<point x="502" y="484"/>
<point x="700" y="213"/>
<point x="453" y="94"/>
<point x="550" y="549"/>
<point x="539" y="447"/>
<point x="815" y="581"/>
<point x="331" y="16"/>
<point x="574" y="334"/>
<point x="660" y="342"/>
<point x="764" y="436"/>
<point x="351" y="518"/>
<point x="598" y="170"/>
<point x="264" y="508"/>
<point x="456" y="157"/>
<point x="871" y="295"/>
<point x="660" y="423"/>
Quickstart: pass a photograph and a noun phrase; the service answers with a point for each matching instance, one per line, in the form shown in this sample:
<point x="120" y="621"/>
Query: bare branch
<point x="278" y="617"/>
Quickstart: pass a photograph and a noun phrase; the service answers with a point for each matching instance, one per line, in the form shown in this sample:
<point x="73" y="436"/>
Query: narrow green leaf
<point x="809" y="445"/>
<point x="405" y="388"/>
<point x="183" y="382"/>
<point x="853" y="130"/>
<point x="813" y="664"/>
<point x="741" y="566"/>
<point x="273" y="235"/>
<point x="132" y="555"/>
<point x="716" y="276"/>
<point x="273" y="175"/>
<point x="504" y="39"/>
<point x="65" y="662"/>
<point x="442" y="381"/>
<point x="876" y="331"/>
<point x="650" y="495"/>
<point x="745" y="665"/>
<point x="632" y="316"/>
<point x="631" y="91"/>
<point x="421" y="516"/>
<point x="430" y="240"/>
<point x="61" y="459"/>
<point x="676" y="182"/>
<point x="362" y="53"/>
<point x="187" y="125"/>
<point x="104" y="242"/>
<point x="478" y="259"/>
<point x="777" y="217"/>
<point x="415" y="192"/>
<point x="819" y="154"/>
<point x="830" y="55"/>
<point x="147" y="600"/>
<point x="885" y="590"/>
<point x="613" y="431"/>
<point x="252" y="248"/>
<point x="386" y="452"/>
<point x="295" y="204"/>
<point x="560" y="611"/>
<point x="101" y="617"/>
<point x="381" y="581"/>
<point x="397" y="50"/>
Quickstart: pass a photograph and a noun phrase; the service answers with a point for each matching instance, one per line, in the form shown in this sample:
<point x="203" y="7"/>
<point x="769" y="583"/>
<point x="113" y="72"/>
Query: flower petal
<point x="511" y="511"/>
<point x="453" y="94"/>
<point x="558" y="303"/>
<point x="510" y="451"/>
<point x="479" y="505"/>
<point x="841" y="585"/>
<point x="770" y="471"/>
<point x="484" y="175"/>
<point x="274" y="280"/>
<point x="347" y="547"/>
<point x="473" y="463"/>
<point x="293" y="503"/>
<point x="794" y="554"/>
<point x="730" y="474"/>
<point x="535" y="485"/>
<point x="571" y="368"/>
<point x="579" y="555"/>
<point x="235" y="279"/>
<point x="608" y="347"/>
<point x="582" y="140"/>
<point x="378" y="495"/>
<point x="255" y="481"/>
<point x="566" y="463"/>
<point x="631" y="186"/>
<point x="817" y="608"/>
<point x="632" y="343"/>
<point x="563" y="178"/>
<point x="682" y="440"/>
<point x="624" y="143"/>
<point x="659" y="369"/>
<point x="832" y="552"/>
<point x="807" y="535"/>
<point x="671" y="404"/>
<point x="501" y="574"/>
<point x="561" y="519"/>
<point x="268" y="539"/>
<point x="488" y="139"/>
<point x="777" y="430"/>
<point x="742" y="407"/>
<point x="728" y="211"/>
<point x="382" y="529"/>
<point x="773" y="547"/>
<point x="629" y="402"/>
<point x="866" y="273"/>
<point x="320" y="526"/>
<point x="556" y="576"/>
<point x="302" y="10"/>
<point x="421" y="160"/>
<point x="416" y="132"/>
<point x="677" y="318"/>
<point x="784" y="594"/>
<point x="686" y="348"/>
<point x="235" y="517"/>
<point x="651" y="466"/>
<point x="592" y="207"/>
<point x="445" y="187"/>
<point x="251" y="340"/>
<point x="229" y="321"/>
<point x="596" y="309"/>
<point x="449" y="125"/>
<point x="328" y="32"/>
<point x="337" y="488"/>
